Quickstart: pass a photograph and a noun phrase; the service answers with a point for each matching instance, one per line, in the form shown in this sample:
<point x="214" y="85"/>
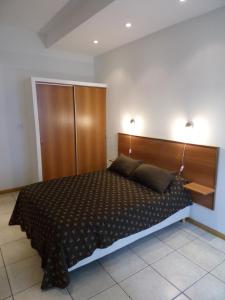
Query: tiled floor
<point x="180" y="262"/>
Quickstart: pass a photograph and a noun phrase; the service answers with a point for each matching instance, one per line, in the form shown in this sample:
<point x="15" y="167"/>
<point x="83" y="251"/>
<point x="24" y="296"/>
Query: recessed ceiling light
<point x="128" y="25"/>
<point x="95" y="41"/>
<point x="182" y="0"/>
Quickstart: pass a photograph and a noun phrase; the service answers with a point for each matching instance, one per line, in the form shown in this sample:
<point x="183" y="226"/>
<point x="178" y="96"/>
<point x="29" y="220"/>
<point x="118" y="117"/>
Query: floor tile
<point x="88" y="281"/>
<point x="35" y="293"/>
<point x="4" y="219"/>
<point x="179" y="270"/>
<point x="9" y="234"/>
<point x="151" y="249"/>
<point x="1" y="260"/>
<point x="174" y="236"/>
<point x="196" y="231"/>
<point x="122" y="264"/>
<point x="181" y="297"/>
<point x="177" y="225"/>
<point x="17" y="250"/>
<point x="202" y="254"/>
<point x="113" y="293"/>
<point x="219" y="272"/>
<point x="7" y="203"/>
<point x="15" y="195"/>
<point x="25" y="273"/>
<point x="4" y="285"/>
<point x="207" y="288"/>
<point x="148" y="284"/>
<point x="214" y="241"/>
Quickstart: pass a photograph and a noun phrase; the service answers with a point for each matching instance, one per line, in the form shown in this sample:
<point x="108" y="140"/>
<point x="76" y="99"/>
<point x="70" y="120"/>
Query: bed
<point x="74" y="220"/>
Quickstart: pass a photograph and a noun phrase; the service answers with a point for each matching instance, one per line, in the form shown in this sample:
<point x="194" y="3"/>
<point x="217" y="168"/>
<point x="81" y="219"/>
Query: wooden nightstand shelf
<point x="198" y="188"/>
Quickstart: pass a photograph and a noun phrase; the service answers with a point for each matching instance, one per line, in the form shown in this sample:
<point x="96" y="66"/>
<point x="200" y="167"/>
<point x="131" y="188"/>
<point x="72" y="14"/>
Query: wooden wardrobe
<point x="72" y="125"/>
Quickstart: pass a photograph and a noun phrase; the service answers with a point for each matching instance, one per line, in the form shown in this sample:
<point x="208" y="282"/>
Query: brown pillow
<point x="151" y="176"/>
<point x="125" y="165"/>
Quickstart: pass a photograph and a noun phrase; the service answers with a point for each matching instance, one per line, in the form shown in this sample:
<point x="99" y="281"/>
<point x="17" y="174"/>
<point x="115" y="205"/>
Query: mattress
<point x="67" y="219"/>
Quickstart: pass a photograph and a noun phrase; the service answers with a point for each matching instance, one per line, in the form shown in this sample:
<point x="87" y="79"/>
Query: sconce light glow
<point x="195" y="132"/>
<point x="178" y="129"/>
<point x="188" y="133"/>
<point x="201" y="131"/>
<point x="128" y="25"/>
<point x="132" y="125"/>
<point x="95" y="42"/>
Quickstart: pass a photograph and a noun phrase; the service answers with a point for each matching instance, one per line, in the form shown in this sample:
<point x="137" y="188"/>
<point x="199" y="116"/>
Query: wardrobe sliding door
<point x="57" y="130"/>
<point x="90" y="128"/>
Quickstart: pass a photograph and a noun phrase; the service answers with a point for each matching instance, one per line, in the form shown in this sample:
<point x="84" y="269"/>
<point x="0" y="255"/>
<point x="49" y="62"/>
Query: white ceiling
<point x="71" y="16"/>
<point x="147" y="16"/>
<point x="100" y="20"/>
<point x="28" y="14"/>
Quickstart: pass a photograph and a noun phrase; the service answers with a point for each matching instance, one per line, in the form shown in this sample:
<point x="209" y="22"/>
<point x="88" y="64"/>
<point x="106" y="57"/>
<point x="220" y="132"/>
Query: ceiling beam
<point x="73" y="14"/>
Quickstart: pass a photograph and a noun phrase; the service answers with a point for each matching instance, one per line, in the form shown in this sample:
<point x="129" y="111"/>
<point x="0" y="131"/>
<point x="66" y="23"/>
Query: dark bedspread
<point x="68" y="218"/>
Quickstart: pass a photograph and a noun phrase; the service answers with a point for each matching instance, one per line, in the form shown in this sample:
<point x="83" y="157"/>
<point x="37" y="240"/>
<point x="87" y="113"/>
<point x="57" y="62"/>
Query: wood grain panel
<point x="90" y="128"/>
<point x="57" y="130"/>
<point x="198" y="188"/>
<point x="200" y="161"/>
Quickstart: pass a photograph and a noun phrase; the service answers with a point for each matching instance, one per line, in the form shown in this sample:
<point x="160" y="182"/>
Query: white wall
<point x="165" y="79"/>
<point x="22" y="55"/>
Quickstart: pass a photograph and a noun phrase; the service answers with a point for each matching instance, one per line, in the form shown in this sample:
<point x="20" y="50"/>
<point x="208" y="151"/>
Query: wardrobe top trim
<point x="66" y="82"/>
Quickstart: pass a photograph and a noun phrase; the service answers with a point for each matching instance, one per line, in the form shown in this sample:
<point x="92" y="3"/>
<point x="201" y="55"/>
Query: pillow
<point x="125" y="165"/>
<point x="151" y="176"/>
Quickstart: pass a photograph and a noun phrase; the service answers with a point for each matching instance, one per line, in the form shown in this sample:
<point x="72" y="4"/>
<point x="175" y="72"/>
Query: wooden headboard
<point x="200" y="161"/>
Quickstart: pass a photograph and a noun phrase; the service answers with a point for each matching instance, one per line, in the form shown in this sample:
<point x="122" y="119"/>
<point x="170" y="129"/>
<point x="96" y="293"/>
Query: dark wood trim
<point x="12" y="190"/>
<point x="206" y="228"/>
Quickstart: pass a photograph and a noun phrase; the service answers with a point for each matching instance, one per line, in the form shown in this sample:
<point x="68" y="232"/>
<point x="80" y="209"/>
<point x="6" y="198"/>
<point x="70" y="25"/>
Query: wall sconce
<point x="132" y="121"/>
<point x="132" y="124"/>
<point x="189" y="125"/>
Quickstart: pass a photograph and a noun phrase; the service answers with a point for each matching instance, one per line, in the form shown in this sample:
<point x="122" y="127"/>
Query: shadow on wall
<point x="18" y="152"/>
<point x="214" y="219"/>
<point x="30" y="132"/>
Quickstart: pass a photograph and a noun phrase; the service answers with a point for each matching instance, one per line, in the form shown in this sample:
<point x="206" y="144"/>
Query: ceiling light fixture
<point x="128" y="25"/>
<point x="182" y="0"/>
<point x="95" y="42"/>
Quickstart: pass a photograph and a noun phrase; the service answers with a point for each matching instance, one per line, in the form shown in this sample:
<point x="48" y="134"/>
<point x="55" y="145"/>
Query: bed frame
<point x="200" y="166"/>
